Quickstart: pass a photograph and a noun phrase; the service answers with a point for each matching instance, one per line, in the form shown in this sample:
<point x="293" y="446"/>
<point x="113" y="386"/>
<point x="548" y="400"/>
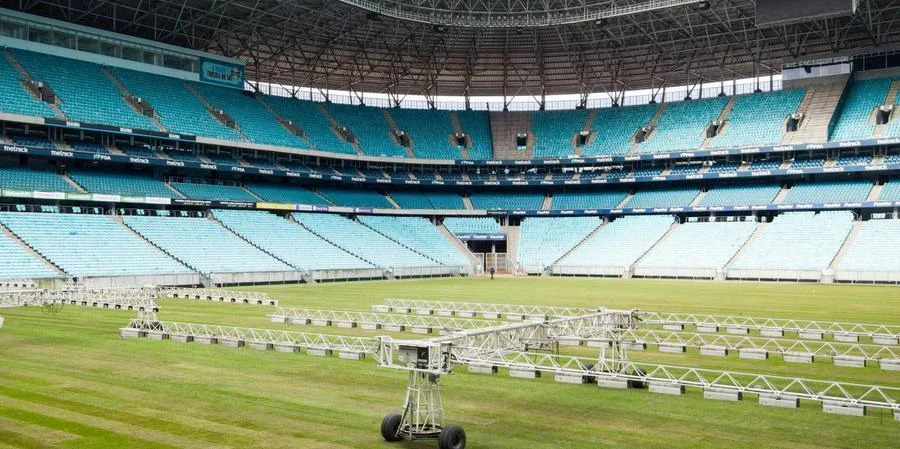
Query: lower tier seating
<point x="696" y="248"/>
<point x="288" y="241"/>
<point x="19" y="178"/>
<point x="204" y="245"/>
<point x="418" y="234"/>
<point x="286" y="194"/>
<point x="797" y="241"/>
<point x="89" y="245"/>
<point x="874" y="248"/>
<point x="18" y="263"/>
<point x="617" y="245"/>
<point x="362" y="241"/>
<point x="542" y="241"/>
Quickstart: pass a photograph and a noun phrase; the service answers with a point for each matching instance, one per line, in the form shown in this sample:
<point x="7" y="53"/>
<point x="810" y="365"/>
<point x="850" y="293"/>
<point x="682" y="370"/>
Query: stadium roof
<point x="336" y="45"/>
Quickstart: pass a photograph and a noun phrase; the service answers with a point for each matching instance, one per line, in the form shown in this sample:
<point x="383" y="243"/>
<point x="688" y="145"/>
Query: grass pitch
<point x="68" y="381"/>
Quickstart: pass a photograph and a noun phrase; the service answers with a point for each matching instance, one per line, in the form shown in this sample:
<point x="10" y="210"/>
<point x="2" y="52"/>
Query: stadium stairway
<point x="336" y="126"/>
<point x="889" y="100"/>
<point x="512" y="246"/>
<point x="126" y="95"/>
<point x="212" y="218"/>
<point x="504" y="127"/>
<point x="460" y="245"/>
<point x="630" y="272"/>
<point x="652" y="123"/>
<point x="875" y="193"/>
<point x="15" y="238"/>
<point x="210" y="108"/>
<point x="74" y="184"/>
<point x="699" y="198"/>
<point x="457" y="128"/>
<point x="468" y="202"/>
<point x="747" y="244"/>
<point x="387" y="196"/>
<point x="781" y="195"/>
<point x="723" y="118"/>
<point x="585" y="239"/>
<point x="547" y="203"/>
<point x="27" y="77"/>
<point x="817" y="107"/>
<point x="395" y="130"/>
<point x="848" y="242"/>
<point x="625" y="200"/>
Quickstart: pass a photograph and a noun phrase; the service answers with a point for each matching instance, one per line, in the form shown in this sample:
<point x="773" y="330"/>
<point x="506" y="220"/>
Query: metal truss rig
<point x="221" y="295"/>
<point x="806" y="329"/>
<point x="374" y="321"/>
<point x="141" y="300"/>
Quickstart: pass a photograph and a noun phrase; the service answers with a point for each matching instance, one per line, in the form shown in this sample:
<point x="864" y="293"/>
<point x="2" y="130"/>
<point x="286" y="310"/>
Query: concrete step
<point x="723" y="117"/>
<point x="547" y="204"/>
<point x="468" y="203"/>
<point x="27" y="77"/>
<point x="875" y="193"/>
<point x="461" y="247"/>
<point x="756" y="232"/>
<point x="15" y="238"/>
<point x="848" y="242"/>
<point x="582" y="242"/>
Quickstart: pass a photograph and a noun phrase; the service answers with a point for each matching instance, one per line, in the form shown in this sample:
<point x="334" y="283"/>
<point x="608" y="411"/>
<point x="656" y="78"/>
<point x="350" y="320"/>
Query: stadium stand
<point x="86" y="94"/>
<point x="286" y="194"/>
<point x="614" y="128"/>
<point x="31" y="140"/>
<point x="222" y="158"/>
<point x="758" y="118"/>
<point x="662" y="198"/>
<point x="506" y="200"/>
<point x="18" y="263"/>
<point x="764" y="164"/>
<point x="724" y="167"/>
<point x="855" y="119"/>
<point x="370" y="126"/>
<point x="710" y="246"/>
<point x="177" y="109"/>
<point x="138" y="151"/>
<point x="795" y="245"/>
<point x="554" y="131"/>
<point x="418" y="234"/>
<point x="477" y="125"/>
<point x="25" y="179"/>
<point x="355" y="197"/>
<point x="890" y="191"/>
<point x="430" y="130"/>
<point x="121" y="184"/>
<point x="616" y="246"/>
<point x="543" y="240"/>
<point x="822" y="192"/>
<point x="587" y="200"/>
<point x="204" y="245"/>
<point x="288" y="241"/>
<point x="472" y="225"/>
<point x="214" y="192"/>
<point x="256" y="123"/>
<point x="362" y="241"/>
<point x="411" y="199"/>
<point x="681" y="125"/>
<point x="807" y="162"/>
<point x="852" y="160"/>
<point x="307" y="116"/>
<point x="740" y="194"/>
<point x="89" y="245"/>
<point x="16" y="99"/>
<point x="873" y="250"/>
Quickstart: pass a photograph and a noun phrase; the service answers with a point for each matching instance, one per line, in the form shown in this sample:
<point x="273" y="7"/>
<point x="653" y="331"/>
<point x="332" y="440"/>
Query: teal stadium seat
<point x="758" y="119"/>
<point x="370" y="126"/>
<point x="554" y="131"/>
<point x="587" y="200"/>
<point x="740" y="195"/>
<point x="543" y="240"/>
<point x="430" y="130"/>
<point x="472" y="225"/>
<point x="121" y="184"/>
<point x="214" y="192"/>
<point x="614" y="128"/>
<point x="797" y="241"/>
<point x="418" y="234"/>
<point x="307" y="116"/>
<point x="506" y="200"/>
<point x="825" y="192"/>
<point x="16" y="99"/>
<point x="618" y="244"/>
<point x="18" y="263"/>
<point x="26" y="179"/>
<point x="477" y="125"/>
<point x="286" y="194"/>
<point x="663" y="198"/>
<point x="355" y="197"/>
<point x="682" y="125"/>
<point x="855" y="120"/>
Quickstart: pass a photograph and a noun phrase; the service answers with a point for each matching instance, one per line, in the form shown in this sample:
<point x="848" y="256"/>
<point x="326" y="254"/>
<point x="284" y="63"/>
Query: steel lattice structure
<point x="331" y="45"/>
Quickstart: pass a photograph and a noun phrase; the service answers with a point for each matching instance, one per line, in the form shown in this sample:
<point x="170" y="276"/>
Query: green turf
<point x="67" y="380"/>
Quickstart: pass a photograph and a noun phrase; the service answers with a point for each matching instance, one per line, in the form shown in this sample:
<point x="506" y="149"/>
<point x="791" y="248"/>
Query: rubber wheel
<point x="633" y="383"/>
<point x="389" y="426"/>
<point x="452" y="437"/>
<point x="588" y="378"/>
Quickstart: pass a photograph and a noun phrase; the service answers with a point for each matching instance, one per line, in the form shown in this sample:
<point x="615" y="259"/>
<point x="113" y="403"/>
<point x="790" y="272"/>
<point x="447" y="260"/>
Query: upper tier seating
<point x="506" y="200"/>
<point x="758" y="118"/>
<point x="286" y="194"/>
<point x="370" y="126"/>
<point x="554" y="131"/>
<point x="362" y="241"/>
<point x="874" y="248"/>
<point x="16" y="99"/>
<point x="851" y="160"/>
<point x="355" y="197"/>
<point x="18" y="263"/>
<point x="477" y="125"/>
<point x="288" y="241"/>
<point x="177" y="108"/>
<point x="663" y="198"/>
<point x="472" y="225"/>
<point x="682" y="125"/>
<point x="615" y="127"/>
<point x="204" y="245"/>
<point x="587" y="200"/>
<point x="19" y="178"/>
<point x="617" y="245"/>
<point x="427" y="200"/>
<point x="544" y="240"/>
<point x="86" y="93"/>
<point x="724" y="167"/>
<point x="740" y="195"/>
<point x="418" y="234"/>
<point x="121" y="184"/>
<point x="698" y="245"/>
<point x="797" y="241"/>
<point x="214" y="192"/>
<point x="89" y="245"/>
<point x="430" y="130"/>
<point x="307" y="116"/>
<point x="855" y="120"/>
<point x="256" y="123"/>
<point x="826" y="192"/>
<point x="892" y="128"/>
